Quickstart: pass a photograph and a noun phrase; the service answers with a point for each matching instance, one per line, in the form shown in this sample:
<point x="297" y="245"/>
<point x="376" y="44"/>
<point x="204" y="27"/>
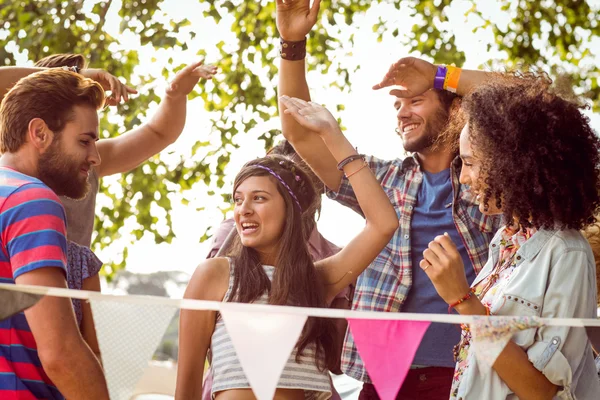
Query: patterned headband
<point x="269" y="170"/>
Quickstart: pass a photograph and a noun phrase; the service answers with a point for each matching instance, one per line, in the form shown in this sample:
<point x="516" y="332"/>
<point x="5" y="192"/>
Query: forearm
<point x="519" y="374"/>
<point x="10" y="75"/>
<point x="193" y="348"/>
<point x="169" y="120"/>
<point x="292" y="83"/>
<point x="77" y="374"/>
<point x="373" y="201"/>
<point x="513" y="365"/>
<point x="470" y="79"/>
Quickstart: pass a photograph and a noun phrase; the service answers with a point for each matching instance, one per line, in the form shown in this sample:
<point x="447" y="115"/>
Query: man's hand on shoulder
<point x="295" y="18"/>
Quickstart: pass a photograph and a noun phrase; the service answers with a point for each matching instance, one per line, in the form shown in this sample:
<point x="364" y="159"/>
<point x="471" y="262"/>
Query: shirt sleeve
<point x="220" y="236"/>
<point x="559" y="352"/>
<point x="34" y="229"/>
<point x="345" y="194"/>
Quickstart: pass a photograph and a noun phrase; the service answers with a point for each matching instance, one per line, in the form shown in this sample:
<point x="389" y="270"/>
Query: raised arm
<point x="416" y="76"/>
<point x="209" y="282"/>
<point x="66" y="358"/>
<point x="295" y="19"/>
<point x="341" y="269"/>
<point x="124" y="153"/>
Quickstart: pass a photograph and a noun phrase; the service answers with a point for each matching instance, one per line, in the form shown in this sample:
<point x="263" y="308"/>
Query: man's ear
<point x="39" y="134"/>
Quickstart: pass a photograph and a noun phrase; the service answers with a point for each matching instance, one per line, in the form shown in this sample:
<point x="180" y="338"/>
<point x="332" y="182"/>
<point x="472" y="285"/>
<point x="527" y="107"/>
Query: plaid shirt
<point x="384" y="285"/>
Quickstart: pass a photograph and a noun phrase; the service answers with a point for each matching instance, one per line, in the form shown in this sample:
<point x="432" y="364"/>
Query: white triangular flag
<point x="128" y="335"/>
<point x="491" y="334"/>
<point x="263" y="343"/>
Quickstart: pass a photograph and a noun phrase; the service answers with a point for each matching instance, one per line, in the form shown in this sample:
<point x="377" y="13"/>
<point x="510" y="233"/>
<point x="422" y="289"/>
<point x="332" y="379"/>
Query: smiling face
<point x="421" y="119"/>
<point x="471" y="175"/>
<point x="259" y="213"/>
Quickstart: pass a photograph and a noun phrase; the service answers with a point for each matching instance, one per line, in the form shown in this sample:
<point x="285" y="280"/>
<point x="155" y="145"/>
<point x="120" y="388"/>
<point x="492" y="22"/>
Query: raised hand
<point x="413" y="74"/>
<point x="186" y="79"/>
<point x="295" y="18"/>
<point x="309" y="115"/>
<point x="110" y="82"/>
<point x="444" y="266"/>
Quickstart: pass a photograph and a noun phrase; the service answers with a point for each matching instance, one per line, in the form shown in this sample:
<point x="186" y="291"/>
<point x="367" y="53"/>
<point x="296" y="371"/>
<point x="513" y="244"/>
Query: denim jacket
<point x="555" y="278"/>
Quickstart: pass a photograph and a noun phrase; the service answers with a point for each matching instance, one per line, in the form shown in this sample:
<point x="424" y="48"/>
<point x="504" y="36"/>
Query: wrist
<point x="292" y="38"/>
<point x="292" y="50"/>
<point x="472" y="306"/>
<point x="439" y="77"/>
<point x="331" y="133"/>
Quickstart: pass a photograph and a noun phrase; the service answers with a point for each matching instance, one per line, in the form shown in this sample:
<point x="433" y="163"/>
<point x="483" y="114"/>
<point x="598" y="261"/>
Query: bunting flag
<point x="491" y="335"/>
<point x="263" y="342"/>
<point x="128" y="335"/>
<point x="12" y="303"/>
<point x="387" y="349"/>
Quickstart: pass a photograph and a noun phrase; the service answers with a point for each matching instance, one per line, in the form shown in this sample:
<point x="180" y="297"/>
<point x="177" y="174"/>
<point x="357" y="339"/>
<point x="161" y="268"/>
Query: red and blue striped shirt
<point x="32" y="236"/>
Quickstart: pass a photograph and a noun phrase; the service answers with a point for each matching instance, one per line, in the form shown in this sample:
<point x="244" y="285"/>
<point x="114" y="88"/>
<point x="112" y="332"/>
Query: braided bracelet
<point x="352" y="173"/>
<point x="462" y="300"/>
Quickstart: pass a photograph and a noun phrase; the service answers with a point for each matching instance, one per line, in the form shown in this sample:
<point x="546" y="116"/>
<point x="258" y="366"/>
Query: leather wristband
<point x="292" y="51"/>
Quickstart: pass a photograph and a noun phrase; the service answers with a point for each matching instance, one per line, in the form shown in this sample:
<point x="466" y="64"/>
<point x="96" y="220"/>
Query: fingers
<point x="205" y="71"/>
<point x="431" y="257"/>
<point x="425" y="265"/>
<point x="314" y="10"/>
<point x="191" y="67"/>
<point x="290" y="106"/>
<point x="446" y="243"/>
<point x="402" y="93"/>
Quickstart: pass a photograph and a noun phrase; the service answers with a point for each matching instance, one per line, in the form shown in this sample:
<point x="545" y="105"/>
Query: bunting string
<point x="187" y="304"/>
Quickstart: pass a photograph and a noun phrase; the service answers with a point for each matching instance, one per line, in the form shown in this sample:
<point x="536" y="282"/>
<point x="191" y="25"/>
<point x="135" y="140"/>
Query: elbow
<point x="54" y="362"/>
<point x="390" y="227"/>
<point x="385" y="228"/>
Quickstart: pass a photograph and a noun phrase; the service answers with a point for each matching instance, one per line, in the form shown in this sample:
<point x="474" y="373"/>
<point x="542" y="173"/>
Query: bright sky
<point x="368" y="116"/>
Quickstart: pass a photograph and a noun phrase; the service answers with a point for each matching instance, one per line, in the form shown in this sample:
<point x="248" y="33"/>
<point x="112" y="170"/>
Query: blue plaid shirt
<point x="384" y="285"/>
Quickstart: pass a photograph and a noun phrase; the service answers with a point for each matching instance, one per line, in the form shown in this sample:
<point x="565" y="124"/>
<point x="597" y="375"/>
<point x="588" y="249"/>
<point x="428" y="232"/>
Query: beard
<point x="431" y="132"/>
<point x="61" y="173"/>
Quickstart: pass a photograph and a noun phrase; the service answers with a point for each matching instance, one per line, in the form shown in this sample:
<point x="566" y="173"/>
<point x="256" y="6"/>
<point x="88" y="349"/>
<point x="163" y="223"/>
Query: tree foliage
<point x="557" y="35"/>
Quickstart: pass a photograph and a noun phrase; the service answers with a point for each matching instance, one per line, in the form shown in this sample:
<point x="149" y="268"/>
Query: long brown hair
<point x="295" y="281"/>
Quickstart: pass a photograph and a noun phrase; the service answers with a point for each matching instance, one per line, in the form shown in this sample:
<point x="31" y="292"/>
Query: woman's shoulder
<point x="210" y="280"/>
<point x="568" y="240"/>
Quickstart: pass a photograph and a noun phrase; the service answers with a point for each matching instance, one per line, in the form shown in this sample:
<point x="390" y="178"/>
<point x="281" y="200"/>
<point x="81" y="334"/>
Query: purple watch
<point x="440" y="77"/>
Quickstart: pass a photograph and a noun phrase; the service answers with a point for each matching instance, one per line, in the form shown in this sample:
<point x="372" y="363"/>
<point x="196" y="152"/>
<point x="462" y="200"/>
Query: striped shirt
<point x="32" y="236"/>
<point x="228" y="373"/>
<point x="384" y="285"/>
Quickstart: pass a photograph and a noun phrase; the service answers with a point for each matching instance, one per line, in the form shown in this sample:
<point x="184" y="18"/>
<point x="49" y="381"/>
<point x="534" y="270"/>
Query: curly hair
<point x="592" y="234"/>
<point x="540" y="157"/>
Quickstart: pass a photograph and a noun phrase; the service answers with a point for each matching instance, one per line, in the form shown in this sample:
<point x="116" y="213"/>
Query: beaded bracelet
<point x="462" y="300"/>
<point x="348" y="160"/>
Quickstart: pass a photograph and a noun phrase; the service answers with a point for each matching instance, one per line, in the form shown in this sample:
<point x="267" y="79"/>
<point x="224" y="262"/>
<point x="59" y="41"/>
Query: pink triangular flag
<point x="263" y="342"/>
<point x="387" y="349"/>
